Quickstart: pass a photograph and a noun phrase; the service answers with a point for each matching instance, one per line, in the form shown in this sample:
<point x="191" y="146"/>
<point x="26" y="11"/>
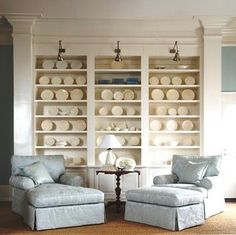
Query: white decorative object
<point x="47" y="125"/>
<point x="56" y="80"/>
<point x="48" y="64"/>
<point x="53" y="111"/>
<point x="126" y="163"/>
<point x="157" y="94"/>
<point x="80" y="80"/>
<point x="62" y="125"/>
<point x="62" y="64"/>
<point x="107" y="94"/>
<point x="165" y="80"/>
<point x="117" y="110"/>
<point x="103" y="111"/>
<point x="172" y="111"/>
<point x="47" y="95"/>
<point x="176" y="80"/>
<point x="62" y="94"/>
<point x="68" y="80"/>
<point x="128" y="94"/>
<point x="76" y="94"/>
<point x="109" y="142"/>
<point x="74" y="141"/>
<point x="44" y="80"/>
<point x="187" y="125"/>
<point x="133" y="140"/>
<point x="49" y="141"/>
<point x="172" y="94"/>
<point x="155" y="125"/>
<point x="171" y="125"/>
<point x="74" y="111"/>
<point x="189" y="80"/>
<point x="183" y="110"/>
<point x="153" y="80"/>
<point x="173" y="143"/>
<point x="79" y="125"/>
<point x="121" y="139"/>
<point x="130" y="111"/>
<point x="76" y="64"/>
<point x="118" y="95"/>
<point x="188" y="94"/>
<point x="103" y="156"/>
<point x="157" y="141"/>
<point x="161" y="110"/>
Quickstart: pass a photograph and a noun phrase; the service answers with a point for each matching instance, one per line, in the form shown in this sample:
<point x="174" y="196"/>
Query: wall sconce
<point x="118" y="51"/>
<point x="175" y="50"/>
<point x="60" y="52"/>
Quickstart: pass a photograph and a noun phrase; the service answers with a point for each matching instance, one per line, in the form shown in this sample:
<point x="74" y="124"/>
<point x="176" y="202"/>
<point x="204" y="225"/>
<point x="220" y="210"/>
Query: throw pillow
<point x="37" y="172"/>
<point x="192" y="172"/>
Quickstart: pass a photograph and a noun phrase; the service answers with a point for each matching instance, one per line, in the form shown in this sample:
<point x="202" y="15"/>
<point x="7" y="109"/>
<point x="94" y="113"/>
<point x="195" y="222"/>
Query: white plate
<point x="47" y="125"/>
<point x="126" y="163"/>
<point x="165" y="80"/>
<point x="172" y="111"/>
<point x="80" y="80"/>
<point x="62" y="94"/>
<point x="68" y="80"/>
<point x="176" y="80"/>
<point x="187" y="141"/>
<point x="128" y="94"/>
<point x="130" y="111"/>
<point x="157" y="141"/>
<point x="153" y="80"/>
<point x="56" y="80"/>
<point x="188" y="94"/>
<point x="47" y="95"/>
<point x="48" y="64"/>
<point x="172" y="94"/>
<point x="171" y="125"/>
<point x="79" y="125"/>
<point x="182" y="110"/>
<point x="133" y="140"/>
<point x="63" y="125"/>
<point x="103" y="111"/>
<point x="117" y="110"/>
<point x="74" y="111"/>
<point x="107" y="94"/>
<point x="157" y="94"/>
<point x="118" y="95"/>
<point x="49" y="141"/>
<point x="103" y="156"/>
<point x="53" y="111"/>
<point x="187" y="125"/>
<point x="121" y="139"/>
<point x="76" y="64"/>
<point x="76" y="94"/>
<point x="155" y="125"/>
<point x="44" y="80"/>
<point x="161" y="110"/>
<point x="61" y="64"/>
<point x="74" y="141"/>
<point x="172" y="143"/>
<point x="189" y="80"/>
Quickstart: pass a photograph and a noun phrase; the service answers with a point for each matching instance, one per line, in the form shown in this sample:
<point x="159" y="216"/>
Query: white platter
<point x="176" y="80"/>
<point x="187" y="141"/>
<point x="107" y="94"/>
<point x="56" y="80"/>
<point x="47" y="95"/>
<point x="155" y="125"/>
<point x="118" y="95"/>
<point x="130" y="111"/>
<point x="76" y="94"/>
<point x="126" y="163"/>
<point x="165" y="80"/>
<point x="128" y="94"/>
<point x="157" y="141"/>
<point x="157" y="94"/>
<point x="62" y="94"/>
<point x="133" y="140"/>
<point x="161" y="110"/>
<point x="48" y="64"/>
<point x="172" y="111"/>
<point x="103" y="156"/>
<point x="182" y="110"/>
<point x="171" y="125"/>
<point x="187" y="125"/>
<point x="153" y="80"/>
<point x="62" y="125"/>
<point x="47" y="125"/>
<point x="80" y="80"/>
<point x="74" y="141"/>
<point x="121" y="139"/>
<point x="61" y="64"/>
<point x="189" y="80"/>
<point x="172" y="94"/>
<point x="103" y="111"/>
<point x="79" y="125"/>
<point x="76" y="64"/>
<point x="49" y="141"/>
<point x="74" y="111"/>
<point x="44" y="80"/>
<point x="188" y="94"/>
<point x="53" y="111"/>
<point x="117" y="110"/>
<point x="68" y="80"/>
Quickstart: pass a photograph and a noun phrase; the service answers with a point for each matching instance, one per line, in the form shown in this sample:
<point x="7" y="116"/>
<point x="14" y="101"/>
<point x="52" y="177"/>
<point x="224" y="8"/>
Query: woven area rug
<point x="224" y="223"/>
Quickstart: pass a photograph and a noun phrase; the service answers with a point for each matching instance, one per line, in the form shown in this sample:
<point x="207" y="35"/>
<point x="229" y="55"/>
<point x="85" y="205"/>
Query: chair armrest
<point x="210" y="182"/>
<point x="73" y="180"/>
<point x="21" y="182"/>
<point x="165" y="179"/>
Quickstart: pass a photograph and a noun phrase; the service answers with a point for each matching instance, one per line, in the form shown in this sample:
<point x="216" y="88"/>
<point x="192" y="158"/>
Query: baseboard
<point x="5" y="193"/>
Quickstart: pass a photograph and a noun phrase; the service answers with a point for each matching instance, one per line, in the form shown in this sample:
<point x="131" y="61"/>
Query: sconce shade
<point x="110" y="141"/>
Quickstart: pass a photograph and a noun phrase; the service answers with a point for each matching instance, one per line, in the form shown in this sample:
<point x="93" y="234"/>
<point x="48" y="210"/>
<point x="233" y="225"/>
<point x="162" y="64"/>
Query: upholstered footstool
<point x="170" y="208"/>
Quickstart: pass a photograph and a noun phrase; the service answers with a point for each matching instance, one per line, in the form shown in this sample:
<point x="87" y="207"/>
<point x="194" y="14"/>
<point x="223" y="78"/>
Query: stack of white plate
<point x="56" y="80"/>
<point x="183" y="110"/>
<point x="118" y="95"/>
<point x="62" y="125"/>
<point x="103" y="111"/>
<point x="76" y="94"/>
<point x="153" y="80"/>
<point x="68" y="80"/>
<point x="79" y="125"/>
<point x="80" y="80"/>
<point x="188" y="94"/>
<point x="172" y="94"/>
<point x="117" y="110"/>
<point x="134" y="140"/>
<point x="128" y="94"/>
<point x="176" y="80"/>
<point x="155" y="125"/>
<point x="74" y="111"/>
<point x="61" y="64"/>
<point x="157" y="94"/>
<point x="171" y="125"/>
<point x="165" y="80"/>
<point x="48" y="64"/>
<point x="47" y="95"/>
<point x="187" y="125"/>
<point x="74" y="141"/>
<point x="107" y="94"/>
<point x="62" y="94"/>
<point x="189" y="80"/>
<point x="47" y="125"/>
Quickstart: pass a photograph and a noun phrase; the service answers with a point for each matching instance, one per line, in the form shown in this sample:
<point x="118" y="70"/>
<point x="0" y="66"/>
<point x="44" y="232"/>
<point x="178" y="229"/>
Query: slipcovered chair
<point x="49" y="198"/>
<point x="185" y="198"/>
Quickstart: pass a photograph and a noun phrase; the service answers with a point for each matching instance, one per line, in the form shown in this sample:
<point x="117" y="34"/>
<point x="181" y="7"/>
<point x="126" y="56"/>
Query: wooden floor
<point x="224" y="223"/>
